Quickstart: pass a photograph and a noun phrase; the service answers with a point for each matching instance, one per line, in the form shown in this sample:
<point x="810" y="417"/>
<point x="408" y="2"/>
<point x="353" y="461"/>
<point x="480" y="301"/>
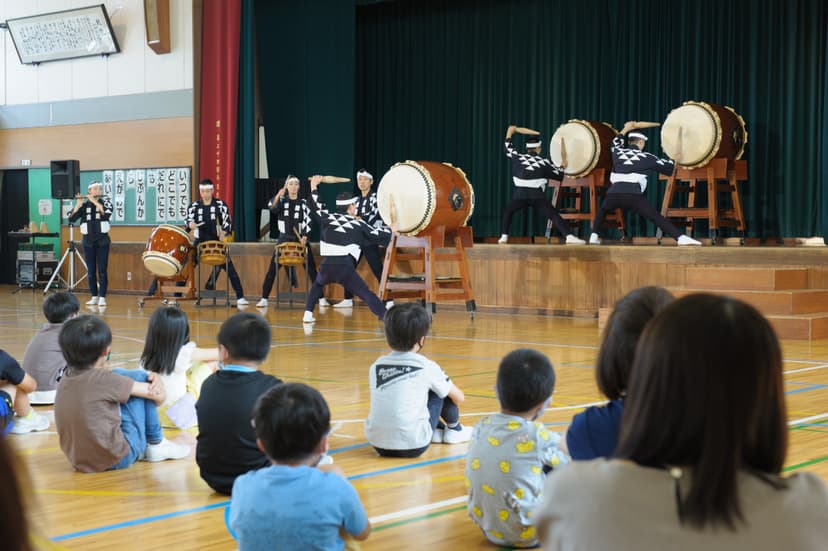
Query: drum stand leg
<point x="167" y="288"/>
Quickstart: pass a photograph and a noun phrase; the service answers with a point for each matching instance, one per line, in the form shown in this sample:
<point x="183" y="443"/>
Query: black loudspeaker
<point x="65" y="179"/>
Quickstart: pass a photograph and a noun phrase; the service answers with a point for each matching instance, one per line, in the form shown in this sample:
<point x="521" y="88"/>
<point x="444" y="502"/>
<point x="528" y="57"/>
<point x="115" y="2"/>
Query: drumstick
<point x="643" y="124"/>
<point x="527" y="131"/>
<point x="563" y="152"/>
<point x="334" y="180"/>
<point x="296" y="232"/>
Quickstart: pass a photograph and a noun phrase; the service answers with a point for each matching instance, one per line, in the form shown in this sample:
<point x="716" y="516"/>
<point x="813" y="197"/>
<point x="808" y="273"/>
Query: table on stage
<point x="32" y="237"/>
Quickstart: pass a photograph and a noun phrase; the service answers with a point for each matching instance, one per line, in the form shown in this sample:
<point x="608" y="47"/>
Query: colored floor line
<point x="805" y="464"/>
<point x="416" y="519"/>
<point x="806" y="387"/>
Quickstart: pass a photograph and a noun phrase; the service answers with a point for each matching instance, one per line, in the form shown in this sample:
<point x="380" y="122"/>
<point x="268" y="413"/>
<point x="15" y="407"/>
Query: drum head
<point x="691" y="134"/>
<point x="161" y="264"/>
<point x="414" y="195"/>
<point x="176" y="230"/>
<point x="582" y="148"/>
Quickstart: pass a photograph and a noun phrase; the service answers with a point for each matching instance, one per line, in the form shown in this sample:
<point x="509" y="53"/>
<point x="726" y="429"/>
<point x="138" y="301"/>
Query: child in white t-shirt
<point x="183" y="366"/>
<point x="410" y="394"/>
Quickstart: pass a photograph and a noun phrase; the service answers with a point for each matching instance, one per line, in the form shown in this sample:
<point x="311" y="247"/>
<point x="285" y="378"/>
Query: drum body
<point x="167" y="250"/>
<point x="213" y="253"/>
<point x="290" y="253"/>
<point x="698" y="132"/>
<point x="587" y="145"/>
<point x="426" y="195"/>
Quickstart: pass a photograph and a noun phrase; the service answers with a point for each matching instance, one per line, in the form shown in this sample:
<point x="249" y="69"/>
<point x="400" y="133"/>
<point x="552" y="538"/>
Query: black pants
<point x="96" y="254"/>
<point x="345" y="275"/>
<point x="270" y="277"/>
<point x="635" y="202"/>
<point x="371" y="254"/>
<point x="444" y="408"/>
<point x="536" y="199"/>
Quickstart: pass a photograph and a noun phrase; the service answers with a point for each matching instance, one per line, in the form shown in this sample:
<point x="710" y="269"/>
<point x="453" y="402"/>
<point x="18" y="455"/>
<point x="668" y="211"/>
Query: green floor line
<point x="417" y="519"/>
<point x="805" y="464"/>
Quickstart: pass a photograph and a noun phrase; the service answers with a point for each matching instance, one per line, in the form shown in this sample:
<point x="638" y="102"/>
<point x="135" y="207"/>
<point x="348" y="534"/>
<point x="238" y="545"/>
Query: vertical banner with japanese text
<point x="219" y="94"/>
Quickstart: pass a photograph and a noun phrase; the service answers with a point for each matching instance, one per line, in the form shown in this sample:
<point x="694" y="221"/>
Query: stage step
<point x="746" y="279"/>
<point x="808" y="301"/>
<point x="801" y="327"/>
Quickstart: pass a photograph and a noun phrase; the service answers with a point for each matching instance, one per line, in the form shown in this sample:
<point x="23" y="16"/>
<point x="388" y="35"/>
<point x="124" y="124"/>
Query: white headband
<point x="205" y="186"/>
<point x="638" y="135"/>
<point x="366" y="174"/>
<point x="532" y="144"/>
<point x="343" y="202"/>
<point x="92" y="184"/>
<point x="292" y="179"/>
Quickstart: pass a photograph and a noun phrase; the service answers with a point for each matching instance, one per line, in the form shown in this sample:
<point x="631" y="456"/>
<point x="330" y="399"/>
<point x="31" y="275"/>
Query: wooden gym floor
<point x="413" y="504"/>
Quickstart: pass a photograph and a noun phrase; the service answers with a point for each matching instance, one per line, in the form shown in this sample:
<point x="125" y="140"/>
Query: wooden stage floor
<point x="413" y="504"/>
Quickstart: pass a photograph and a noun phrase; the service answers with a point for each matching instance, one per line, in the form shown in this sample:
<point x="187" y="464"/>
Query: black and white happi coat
<point x="630" y="165"/>
<point x="93" y="223"/>
<point x="343" y="235"/>
<point x="208" y="218"/>
<point x="368" y="210"/>
<point x="530" y="173"/>
<point x="291" y="214"/>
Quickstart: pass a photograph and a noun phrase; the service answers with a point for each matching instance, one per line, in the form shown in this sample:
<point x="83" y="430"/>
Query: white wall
<point x="135" y="70"/>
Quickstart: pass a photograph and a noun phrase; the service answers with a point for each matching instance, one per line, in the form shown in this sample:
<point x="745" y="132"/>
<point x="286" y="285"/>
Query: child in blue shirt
<point x="295" y="503"/>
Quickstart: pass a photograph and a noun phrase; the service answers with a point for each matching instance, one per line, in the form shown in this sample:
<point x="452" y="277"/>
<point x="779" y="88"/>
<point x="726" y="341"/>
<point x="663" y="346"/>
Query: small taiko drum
<point x="167" y="250"/>
<point x="290" y="254"/>
<point x="213" y="253"/>
<point x="585" y="145"/>
<point x="698" y="132"/>
<point x="426" y="195"/>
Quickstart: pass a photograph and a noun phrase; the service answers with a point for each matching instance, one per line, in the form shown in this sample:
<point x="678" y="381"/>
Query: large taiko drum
<point x="698" y="132"/>
<point x="586" y="145"/>
<point x="426" y="195"/>
<point x="167" y="250"/>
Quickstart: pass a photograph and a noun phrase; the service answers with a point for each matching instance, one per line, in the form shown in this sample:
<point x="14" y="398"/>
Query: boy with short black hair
<point x="106" y="419"/>
<point x="15" y="387"/>
<point x="43" y="358"/>
<point x="510" y="452"/>
<point x="293" y="501"/>
<point x="226" y="441"/>
<point x="410" y="393"/>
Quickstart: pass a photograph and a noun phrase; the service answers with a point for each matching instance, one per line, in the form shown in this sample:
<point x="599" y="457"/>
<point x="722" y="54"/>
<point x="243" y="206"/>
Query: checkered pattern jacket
<point x="343" y="236"/>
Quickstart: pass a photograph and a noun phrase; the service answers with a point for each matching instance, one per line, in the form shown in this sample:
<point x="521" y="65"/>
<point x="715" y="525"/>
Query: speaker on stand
<point x="66" y="185"/>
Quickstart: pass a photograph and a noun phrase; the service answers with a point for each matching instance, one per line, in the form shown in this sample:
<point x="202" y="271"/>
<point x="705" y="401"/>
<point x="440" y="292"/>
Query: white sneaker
<point x="42" y="397"/>
<point x="34" y="422"/>
<point x="389" y="304"/>
<point x="347" y="303"/>
<point x="503" y="239"/>
<point x="241" y="302"/>
<point x="324" y="302"/>
<point x="92" y="301"/>
<point x="262" y="303"/>
<point x="594" y="239"/>
<point x="325" y="460"/>
<point x="687" y="240"/>
<point x="572" y="240"/>
<point x="437" y="436"/>
<point x="457" y="435"/>
<point x="165" y="450"/>
<point x="102" y="302"/>
<point x="308" y="317"/>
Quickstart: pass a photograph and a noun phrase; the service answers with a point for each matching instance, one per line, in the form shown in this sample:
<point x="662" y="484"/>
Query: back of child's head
<point x="405" y="325"/>
<point x="624" y="327"/>
<point x="83" y="340"/>
<point x="291" y="419"/>
<point x="60" y="306"/>
<point x="525" y="379"/>
<point x="246" y="336"/>
<point x="167" y="332"/>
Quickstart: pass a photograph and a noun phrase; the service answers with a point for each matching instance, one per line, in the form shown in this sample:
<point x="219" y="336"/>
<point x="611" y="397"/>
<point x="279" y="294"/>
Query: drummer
<point x="292" y="217"/>
<point x="629" y="165"/>
<point x="209" y="219"/>
<point x="367" y="211"/>
<point x="530" y="173"/>
<point x="343" y="236"/>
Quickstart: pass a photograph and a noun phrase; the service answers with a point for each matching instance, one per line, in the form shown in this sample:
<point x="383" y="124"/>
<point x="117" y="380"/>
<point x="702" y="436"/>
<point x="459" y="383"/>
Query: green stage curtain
<point x="441" y="80"/>
<point x="245" y="217"/>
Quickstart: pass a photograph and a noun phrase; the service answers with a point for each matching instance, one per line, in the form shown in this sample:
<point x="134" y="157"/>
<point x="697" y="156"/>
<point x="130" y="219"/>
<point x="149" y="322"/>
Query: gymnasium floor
<point x="414" y="503"/>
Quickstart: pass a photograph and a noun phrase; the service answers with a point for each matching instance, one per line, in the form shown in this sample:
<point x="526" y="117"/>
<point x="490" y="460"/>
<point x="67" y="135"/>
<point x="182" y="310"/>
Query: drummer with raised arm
<point x="292" y="217"/>
<point x="343" y="236"/>
<point x="530" y="175"/>
<point x="209" y="219"/>
<point x="94" y="211"/>
<point x="629" y="180"/>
